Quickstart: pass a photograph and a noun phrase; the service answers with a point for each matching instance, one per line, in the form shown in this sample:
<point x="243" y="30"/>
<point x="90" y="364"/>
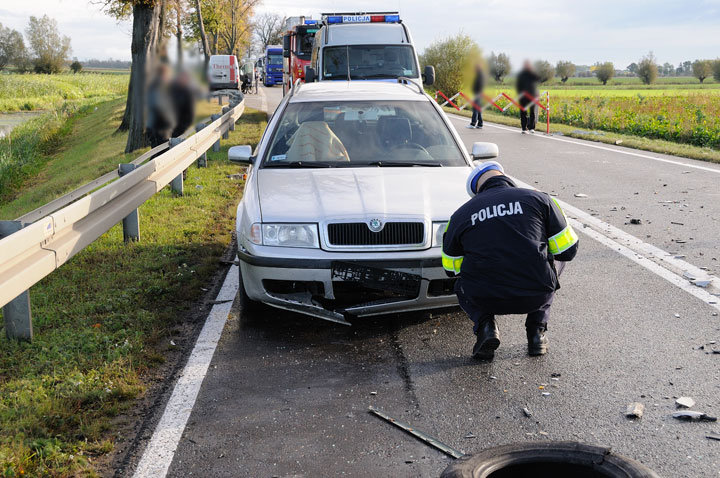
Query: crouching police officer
<point x="508" y="246"/>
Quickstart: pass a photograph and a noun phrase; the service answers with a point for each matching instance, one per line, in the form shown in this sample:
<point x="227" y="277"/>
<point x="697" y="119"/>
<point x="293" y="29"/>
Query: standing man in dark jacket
<point x="160" y="119"/>
<point x="527" y="82"/>
<point x="508" y="245"/>
<point x="477" y="88"/>
<point x="183" y="100"/>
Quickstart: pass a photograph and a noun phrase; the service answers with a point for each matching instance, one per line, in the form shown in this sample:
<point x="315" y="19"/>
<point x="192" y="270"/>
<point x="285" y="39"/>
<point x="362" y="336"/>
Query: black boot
<point x="537" y="342"/>
<point x="488" y="339"/>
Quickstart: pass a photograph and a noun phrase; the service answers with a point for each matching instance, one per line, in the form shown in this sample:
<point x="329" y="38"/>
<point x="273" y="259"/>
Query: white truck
<point x="365" y="46"/>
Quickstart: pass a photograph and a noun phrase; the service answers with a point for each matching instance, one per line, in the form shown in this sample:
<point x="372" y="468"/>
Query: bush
<point x="545" y="70"/>
<point x="499" y="66"/>
<point x="716" y="69"/>
<point x="453" y="59"/>
<point x="76" y="66"/>
<point x="648" y="69"/>
<point x="604" y="71"/>
<point x="565" y="69"/>
<point x="702" y="69"/>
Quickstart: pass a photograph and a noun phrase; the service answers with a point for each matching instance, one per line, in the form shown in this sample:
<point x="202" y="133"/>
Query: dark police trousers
<point x="525" y="122"/>
<point x="476" y="119"/>
<point x="481" y="310"/>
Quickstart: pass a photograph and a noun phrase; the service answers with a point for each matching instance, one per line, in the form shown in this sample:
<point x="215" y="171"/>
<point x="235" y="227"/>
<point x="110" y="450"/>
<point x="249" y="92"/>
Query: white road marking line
<point x="604" y="148"/>
<point x="159" y="453"/>
<point x="633" y="248"/>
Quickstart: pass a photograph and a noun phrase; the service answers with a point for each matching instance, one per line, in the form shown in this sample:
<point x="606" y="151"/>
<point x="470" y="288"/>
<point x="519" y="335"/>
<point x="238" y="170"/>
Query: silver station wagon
<point x="346" y="201"/>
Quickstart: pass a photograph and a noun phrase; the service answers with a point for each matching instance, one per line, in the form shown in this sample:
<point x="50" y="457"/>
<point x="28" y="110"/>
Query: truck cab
<point x="297" y="48"/>
<point x="365" y="46"/>
<point x="273" y="65"/>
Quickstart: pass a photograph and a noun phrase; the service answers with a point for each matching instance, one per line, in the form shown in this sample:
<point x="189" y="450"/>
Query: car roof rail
<point x="404" y="80"/>
<point x="295" y="86"/>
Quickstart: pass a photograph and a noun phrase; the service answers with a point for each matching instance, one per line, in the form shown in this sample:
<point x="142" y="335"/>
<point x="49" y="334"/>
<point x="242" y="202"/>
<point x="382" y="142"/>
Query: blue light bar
<point x="392" y="18"/>
<point x="310" y="22"/>
<point x="334" y="19"/>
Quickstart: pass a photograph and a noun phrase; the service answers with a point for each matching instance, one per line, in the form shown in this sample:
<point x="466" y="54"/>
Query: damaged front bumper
<point x="338" y="289"/>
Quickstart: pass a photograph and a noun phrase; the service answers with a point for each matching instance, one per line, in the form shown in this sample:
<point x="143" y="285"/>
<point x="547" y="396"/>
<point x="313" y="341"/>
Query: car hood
<point x="316" y="195"/>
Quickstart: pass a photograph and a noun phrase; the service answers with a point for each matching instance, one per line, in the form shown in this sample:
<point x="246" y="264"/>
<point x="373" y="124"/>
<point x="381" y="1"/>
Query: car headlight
<point x="290" y="235"/>
<point x="438" y="232"/>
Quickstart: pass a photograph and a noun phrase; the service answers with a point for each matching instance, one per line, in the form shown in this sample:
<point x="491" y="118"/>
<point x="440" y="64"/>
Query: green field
<point x="678" y="110"/>
<point x="29" y="92"/>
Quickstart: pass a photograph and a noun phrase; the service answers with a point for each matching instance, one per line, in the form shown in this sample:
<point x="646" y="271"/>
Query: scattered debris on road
<point x="470" y="435"/>
<point x="635" y="410"/>
<point x="527" y="412"/>
<point x="713" y="436"/>
<point x="581" y="195"/>
<point x="677" y="316"/>
<point x="691" y="415"/>
<point x="618" y="141"/>
<point x="635" y="221"/>
<point x="677" y="223"/>
<point x="432" y="441"/>
<point x="373" y="393"/>
<point x="685" y="402"/>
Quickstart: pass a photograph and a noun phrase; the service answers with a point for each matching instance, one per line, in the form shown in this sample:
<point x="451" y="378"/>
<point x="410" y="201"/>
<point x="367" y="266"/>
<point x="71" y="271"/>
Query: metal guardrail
<point x="42" y="240"/>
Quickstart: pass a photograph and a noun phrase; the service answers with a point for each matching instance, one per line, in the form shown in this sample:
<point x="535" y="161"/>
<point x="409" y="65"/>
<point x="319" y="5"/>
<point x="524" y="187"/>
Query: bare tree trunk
<point x="144" y="38"/>
<point x="127" y="115"/>
<point x="203" y="35"/>
<point x="160" y="48"/>
<point x="178" y="35"/>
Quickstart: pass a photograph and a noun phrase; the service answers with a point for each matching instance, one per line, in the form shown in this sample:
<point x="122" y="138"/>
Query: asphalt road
<point x="287" y="395"/>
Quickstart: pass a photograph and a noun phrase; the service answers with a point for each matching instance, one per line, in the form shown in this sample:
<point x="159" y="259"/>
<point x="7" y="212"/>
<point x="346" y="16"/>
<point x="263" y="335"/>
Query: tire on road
<point x="556" y="459"/>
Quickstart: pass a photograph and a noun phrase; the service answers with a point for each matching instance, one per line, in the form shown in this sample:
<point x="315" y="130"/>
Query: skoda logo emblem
<point x="375" y="225"/>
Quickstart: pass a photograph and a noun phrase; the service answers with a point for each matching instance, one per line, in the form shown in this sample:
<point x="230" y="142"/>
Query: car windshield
<point x="275" y="59"/>
<point x="361" y="62"/>
<point x="362" y="133"/>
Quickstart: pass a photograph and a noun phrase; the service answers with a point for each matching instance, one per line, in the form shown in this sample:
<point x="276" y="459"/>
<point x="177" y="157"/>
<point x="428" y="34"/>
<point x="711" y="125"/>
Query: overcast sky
<point x="584" y="32"/>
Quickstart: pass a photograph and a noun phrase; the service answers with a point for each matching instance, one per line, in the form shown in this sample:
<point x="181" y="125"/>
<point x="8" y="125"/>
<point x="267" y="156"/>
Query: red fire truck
<point x="297" y="48"/>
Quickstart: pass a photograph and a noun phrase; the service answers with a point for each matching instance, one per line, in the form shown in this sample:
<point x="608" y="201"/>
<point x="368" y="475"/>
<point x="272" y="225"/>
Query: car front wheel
<point x="246" y="303"/>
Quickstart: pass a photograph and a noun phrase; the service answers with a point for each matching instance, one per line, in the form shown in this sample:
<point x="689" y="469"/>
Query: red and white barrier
<point x="494" y="102"/>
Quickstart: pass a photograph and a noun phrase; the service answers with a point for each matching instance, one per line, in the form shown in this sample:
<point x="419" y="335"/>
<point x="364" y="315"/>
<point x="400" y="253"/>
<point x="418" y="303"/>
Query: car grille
<point x="359" y="234"/>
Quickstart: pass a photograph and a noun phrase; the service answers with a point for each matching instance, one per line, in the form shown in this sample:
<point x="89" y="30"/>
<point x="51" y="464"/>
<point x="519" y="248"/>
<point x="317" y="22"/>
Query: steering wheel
<point x="411" y="145"/>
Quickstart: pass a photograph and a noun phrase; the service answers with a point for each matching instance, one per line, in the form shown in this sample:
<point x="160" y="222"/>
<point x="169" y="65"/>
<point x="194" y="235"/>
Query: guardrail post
<point x="176" y="185"/>
<point x="216" y="145"/>
<point x="202" y="159"/>
<point x="226" y="133"/>
<point x="220" y="99"/>
<point x="131" y="222"/>
<point x="17" y="314"/>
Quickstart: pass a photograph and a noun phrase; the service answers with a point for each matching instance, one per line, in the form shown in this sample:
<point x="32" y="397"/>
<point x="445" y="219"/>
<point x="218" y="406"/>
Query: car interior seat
<point x="393" y="131"/>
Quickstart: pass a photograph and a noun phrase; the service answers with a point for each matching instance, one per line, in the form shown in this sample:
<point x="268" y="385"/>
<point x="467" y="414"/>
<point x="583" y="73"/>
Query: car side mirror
<point x="286" y="46"/>
<point x="429" y="75"/>
<point x="482" y="150"/>
<point x="240" y="154"/>
<point x="309" y="74"/>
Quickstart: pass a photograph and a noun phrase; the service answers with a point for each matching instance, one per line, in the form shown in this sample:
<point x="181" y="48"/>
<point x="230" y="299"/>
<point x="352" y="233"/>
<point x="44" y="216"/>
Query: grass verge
<point x="96" y="340"/>
<point x="626" y="140"/>
<point x="85" y="147"/>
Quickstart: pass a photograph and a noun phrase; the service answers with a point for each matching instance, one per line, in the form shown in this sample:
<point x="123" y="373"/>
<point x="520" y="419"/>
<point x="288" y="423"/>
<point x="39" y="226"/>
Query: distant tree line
<point x="109" y="63"/>
<point x="47" y="50"/>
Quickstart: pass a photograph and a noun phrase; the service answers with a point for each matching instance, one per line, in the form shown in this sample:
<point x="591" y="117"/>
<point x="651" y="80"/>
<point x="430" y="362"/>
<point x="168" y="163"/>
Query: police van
<point x="365" y="46"/>
<point x="223" y="72"/>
